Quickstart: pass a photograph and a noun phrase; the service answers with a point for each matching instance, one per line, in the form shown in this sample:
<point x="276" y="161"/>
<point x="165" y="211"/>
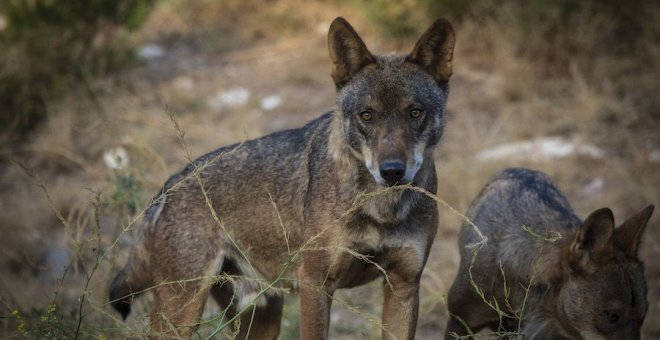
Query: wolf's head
<point x="391" y="108"/>
<point x="600" y="288"/>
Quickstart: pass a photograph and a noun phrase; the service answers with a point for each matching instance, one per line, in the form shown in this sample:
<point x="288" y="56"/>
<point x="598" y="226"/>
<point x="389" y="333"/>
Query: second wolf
<point x="313" y="208"/>
<point x="543" y="273"/>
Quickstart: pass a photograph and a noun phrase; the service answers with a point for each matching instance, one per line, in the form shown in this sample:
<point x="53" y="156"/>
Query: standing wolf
<point x="559" y="279"/>
<point x="315" y="208"/>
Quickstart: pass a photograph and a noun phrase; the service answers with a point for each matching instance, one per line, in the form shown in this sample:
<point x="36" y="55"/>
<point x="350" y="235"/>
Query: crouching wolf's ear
<point x="628" y="235"/>
<point x="593" y="243"/>
<point x="435" y="50"/>
<point x="348" y="52"/>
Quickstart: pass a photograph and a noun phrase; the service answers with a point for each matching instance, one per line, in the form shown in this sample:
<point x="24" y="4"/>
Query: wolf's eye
<point x="415" y="113"/>
<point x="612" y="316"/>
<point x="366" y="116"/>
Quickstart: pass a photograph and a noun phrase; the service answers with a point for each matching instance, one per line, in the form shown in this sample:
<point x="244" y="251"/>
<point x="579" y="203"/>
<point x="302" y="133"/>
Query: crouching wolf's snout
<point x="303" y="208"/>
<point x="554" y="276"/>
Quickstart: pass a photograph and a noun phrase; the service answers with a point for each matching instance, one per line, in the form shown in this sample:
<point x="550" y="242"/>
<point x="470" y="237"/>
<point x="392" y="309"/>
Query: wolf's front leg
<point x="401" y="298"/>
<point x="400" y="309"/>
<point x="315" y="301"/>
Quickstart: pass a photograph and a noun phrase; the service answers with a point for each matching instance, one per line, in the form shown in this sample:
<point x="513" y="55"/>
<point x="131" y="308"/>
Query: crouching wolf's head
<point x="392" y="107"/>
<point x="559" y="277"/>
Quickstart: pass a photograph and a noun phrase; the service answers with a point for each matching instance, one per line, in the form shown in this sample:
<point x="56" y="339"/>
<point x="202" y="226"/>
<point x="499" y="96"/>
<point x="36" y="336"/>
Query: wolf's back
<point x="518" y="197"/>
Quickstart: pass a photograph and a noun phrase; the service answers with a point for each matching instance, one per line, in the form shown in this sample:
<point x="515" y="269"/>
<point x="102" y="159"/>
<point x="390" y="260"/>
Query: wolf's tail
<point x="129" y="282"/>
<point x="134" y="278"/>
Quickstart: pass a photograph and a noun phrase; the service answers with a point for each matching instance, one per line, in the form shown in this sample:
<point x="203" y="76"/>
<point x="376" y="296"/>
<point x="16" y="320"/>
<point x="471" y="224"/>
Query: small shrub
<point x="48" y="46"/>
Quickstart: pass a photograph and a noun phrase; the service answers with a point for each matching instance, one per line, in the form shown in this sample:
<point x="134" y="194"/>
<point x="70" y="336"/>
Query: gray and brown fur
<point x="564" y="278"/>
<point x="315" y="208"/>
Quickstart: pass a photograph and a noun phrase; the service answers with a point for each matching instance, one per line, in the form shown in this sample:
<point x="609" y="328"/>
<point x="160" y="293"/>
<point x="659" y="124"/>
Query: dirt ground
<point x="223" y="87"/>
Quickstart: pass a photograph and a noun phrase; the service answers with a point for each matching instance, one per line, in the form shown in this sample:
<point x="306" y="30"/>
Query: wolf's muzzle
<point x="392" y="171"/>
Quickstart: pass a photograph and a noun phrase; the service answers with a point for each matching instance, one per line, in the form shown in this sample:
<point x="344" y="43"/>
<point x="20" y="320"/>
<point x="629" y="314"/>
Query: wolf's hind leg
<point x="177" y="309"/>
<point x="183" y="283"/>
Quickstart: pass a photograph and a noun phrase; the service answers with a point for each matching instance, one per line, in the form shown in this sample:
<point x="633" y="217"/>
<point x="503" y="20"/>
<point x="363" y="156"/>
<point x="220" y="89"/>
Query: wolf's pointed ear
<point x="348" y="52"/>
<point x="594" y="240"/>
<point x="435" y="49"/>
<point x="627" y="236"/>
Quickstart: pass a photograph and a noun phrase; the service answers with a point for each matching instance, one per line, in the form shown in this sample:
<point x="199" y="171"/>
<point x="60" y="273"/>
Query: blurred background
<point x="96" y="95"/>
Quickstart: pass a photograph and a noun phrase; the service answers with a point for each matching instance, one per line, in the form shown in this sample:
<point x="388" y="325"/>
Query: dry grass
<point x="499" y="95"/>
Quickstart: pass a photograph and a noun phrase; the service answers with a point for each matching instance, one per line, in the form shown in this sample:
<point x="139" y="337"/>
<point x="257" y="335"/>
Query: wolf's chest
<point x="384" y="208"/>
<point x="367" y="252"/>
<point x="359" y="259"/>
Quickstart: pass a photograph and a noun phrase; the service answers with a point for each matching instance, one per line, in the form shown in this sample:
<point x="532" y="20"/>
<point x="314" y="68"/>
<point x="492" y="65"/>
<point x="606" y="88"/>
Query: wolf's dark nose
<point x="392" y="171"/>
